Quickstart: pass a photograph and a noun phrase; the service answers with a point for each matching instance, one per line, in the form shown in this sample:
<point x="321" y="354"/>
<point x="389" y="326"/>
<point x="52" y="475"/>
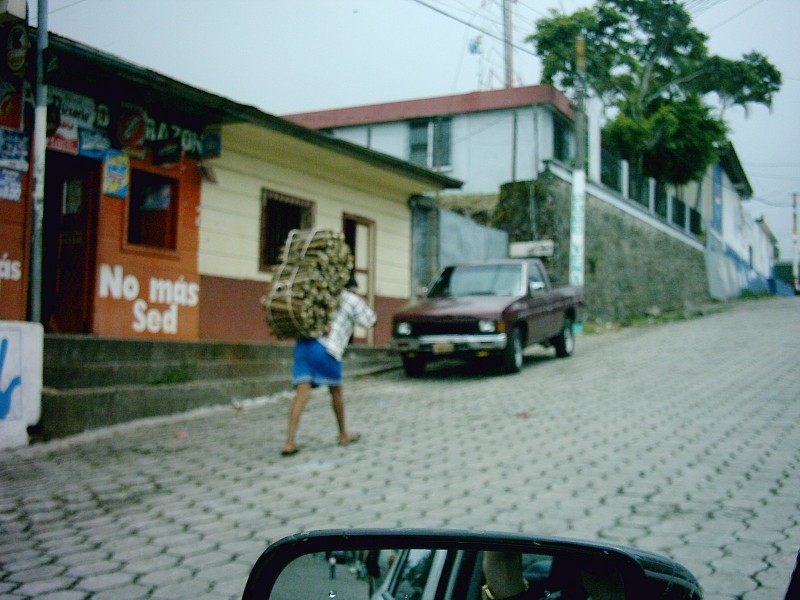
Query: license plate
<point x="443" y="348"/>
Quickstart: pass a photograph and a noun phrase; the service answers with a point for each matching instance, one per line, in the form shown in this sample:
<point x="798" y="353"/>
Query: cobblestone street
<point x="680" y="438"/>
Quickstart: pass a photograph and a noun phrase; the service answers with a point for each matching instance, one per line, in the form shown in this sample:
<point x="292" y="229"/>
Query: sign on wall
<point x="67" y="113"/>
<point x="79" y="125"/>
<point x="10" y="185"/>
<point x="151" y="306"/>
<point x="715" y="223"/>
<point x="20" y="380"/>
<point x="116" y="174"/>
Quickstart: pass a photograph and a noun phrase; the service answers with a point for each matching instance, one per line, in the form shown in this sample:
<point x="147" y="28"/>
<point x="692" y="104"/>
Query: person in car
<point x="505" y="581"/>
<point x="318" y="362"/>
<point x="793" y="592"/>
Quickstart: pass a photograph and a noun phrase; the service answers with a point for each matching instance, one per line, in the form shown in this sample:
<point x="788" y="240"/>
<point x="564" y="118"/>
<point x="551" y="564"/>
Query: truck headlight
<point x="403" y="329"/>
<point x="487" y="326"/>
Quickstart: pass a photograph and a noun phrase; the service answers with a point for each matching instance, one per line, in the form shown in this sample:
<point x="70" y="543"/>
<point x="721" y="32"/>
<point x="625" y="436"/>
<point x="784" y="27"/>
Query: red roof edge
<point x="429" y="107"/>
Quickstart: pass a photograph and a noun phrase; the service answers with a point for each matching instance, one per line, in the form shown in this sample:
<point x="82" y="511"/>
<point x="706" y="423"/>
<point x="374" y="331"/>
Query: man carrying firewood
<point x="318" y="362"/>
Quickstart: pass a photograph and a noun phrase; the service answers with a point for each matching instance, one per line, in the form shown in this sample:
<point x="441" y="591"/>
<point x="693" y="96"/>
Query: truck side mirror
<point x="535" y="286"/>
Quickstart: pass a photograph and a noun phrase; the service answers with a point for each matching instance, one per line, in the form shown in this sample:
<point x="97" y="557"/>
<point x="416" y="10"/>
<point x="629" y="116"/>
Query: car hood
<point x="464" y="306"/>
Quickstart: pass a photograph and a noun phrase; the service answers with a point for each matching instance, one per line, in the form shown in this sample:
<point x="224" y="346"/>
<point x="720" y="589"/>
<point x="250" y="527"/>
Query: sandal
<point x="351" y="440"/>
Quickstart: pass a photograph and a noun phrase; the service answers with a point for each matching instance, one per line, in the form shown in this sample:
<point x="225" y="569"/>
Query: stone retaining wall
<point x="631" y="267"/>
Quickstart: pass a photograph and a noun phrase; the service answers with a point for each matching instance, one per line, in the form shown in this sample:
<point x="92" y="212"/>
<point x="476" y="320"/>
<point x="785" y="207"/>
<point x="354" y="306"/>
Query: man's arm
<point x="362" y="313"/>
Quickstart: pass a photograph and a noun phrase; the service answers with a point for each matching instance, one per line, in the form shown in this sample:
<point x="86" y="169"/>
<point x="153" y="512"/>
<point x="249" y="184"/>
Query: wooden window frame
<point x="172" y="251"/>
<point x="265" y="247"/>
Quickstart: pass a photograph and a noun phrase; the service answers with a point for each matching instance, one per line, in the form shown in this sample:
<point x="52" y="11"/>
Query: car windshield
<point x="478" y="280"/>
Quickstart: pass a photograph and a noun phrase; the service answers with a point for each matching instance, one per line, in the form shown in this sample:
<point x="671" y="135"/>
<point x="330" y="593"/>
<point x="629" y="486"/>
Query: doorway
<point x="359" y="234"/>
<point x="69" y="242"/>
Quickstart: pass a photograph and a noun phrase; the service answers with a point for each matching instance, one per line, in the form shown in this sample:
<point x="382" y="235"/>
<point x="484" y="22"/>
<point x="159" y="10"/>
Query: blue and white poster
<point x="10" y="184"/>
<point x="116" y="174"/>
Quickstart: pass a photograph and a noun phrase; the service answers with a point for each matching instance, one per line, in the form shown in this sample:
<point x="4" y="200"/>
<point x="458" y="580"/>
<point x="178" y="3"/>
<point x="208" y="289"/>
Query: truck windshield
<point x="478" y="280"/>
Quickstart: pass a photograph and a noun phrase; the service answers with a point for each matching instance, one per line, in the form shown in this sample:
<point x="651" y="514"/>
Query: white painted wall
<point x="231" y="218"/>
<point x="482" y="147"/>
<point x="742" y="234"/>
<point x="21" y="350"/>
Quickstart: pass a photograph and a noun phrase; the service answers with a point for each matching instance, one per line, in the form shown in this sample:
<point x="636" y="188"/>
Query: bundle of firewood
<point x="306" y="286"/>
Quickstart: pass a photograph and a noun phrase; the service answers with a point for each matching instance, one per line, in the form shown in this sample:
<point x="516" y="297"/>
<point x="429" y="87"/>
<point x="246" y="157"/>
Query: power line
<point x="535" y="11"/>
<point x="770" y="165"/>
<point x="773" y="204"/>
<point x="59" y="9"/>
<point x="741" y="12"/>
<point x="66" y="6"/>
<point x="471" y="26"/>
<point x="696" y="7"/>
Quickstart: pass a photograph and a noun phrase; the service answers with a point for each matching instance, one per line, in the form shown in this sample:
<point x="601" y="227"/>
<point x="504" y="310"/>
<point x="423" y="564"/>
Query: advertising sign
<point x="715" y="223"/>
<point x="116" y="174"/>
<point x="10" y="105"/>
<point x="151" y="305"/>
<point x="67" y="112"/>
<point x="13" y="150"/>
<point x="20" y="380"/>
<point x="10" y="185"/>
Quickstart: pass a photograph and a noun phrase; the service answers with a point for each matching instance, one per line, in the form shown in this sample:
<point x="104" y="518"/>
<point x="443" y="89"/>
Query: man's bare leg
<point x="301" y="395"/>
<point x="337" y="402"/>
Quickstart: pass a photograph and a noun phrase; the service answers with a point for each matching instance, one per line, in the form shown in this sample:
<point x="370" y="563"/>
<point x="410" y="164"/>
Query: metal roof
<point x="730" y="162"/>
<point x="206" y="106"/>
<point x="440" y="106"/>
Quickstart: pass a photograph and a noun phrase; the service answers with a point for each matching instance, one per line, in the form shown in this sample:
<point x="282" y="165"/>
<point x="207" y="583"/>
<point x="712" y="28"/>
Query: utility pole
<point x="795" y="269"/>
<point x="577" y="213"/>
<point x="507" y="33"/>
<point x="39" y="152"/>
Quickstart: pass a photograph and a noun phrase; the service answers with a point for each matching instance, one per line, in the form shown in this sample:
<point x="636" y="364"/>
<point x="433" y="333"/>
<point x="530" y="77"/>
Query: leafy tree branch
<point x="651" y="68"/>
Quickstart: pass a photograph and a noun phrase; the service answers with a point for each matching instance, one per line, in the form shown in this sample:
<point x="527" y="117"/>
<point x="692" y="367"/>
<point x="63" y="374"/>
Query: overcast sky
<point x="287" y="56"/>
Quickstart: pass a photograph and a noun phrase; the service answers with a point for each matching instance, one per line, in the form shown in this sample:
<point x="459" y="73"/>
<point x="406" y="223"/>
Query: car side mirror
<point x="535" y="287"/>
<point x="415" y="563"/>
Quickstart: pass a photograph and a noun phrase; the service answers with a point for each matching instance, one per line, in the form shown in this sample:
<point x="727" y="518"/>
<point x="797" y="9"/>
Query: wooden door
<point x="71" y="192"/>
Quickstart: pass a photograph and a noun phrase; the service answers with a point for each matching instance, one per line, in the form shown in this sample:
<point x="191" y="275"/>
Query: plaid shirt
<point x="352" y="311"/>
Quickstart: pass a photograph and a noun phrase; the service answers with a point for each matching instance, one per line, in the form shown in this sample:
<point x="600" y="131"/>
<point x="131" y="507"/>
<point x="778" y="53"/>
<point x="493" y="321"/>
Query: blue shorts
<point x="313" y="364"/>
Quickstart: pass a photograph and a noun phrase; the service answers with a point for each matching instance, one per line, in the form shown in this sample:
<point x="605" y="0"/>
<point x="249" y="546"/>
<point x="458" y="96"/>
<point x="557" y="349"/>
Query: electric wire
<point x="470" y="25"/>
<point x="740" y="13"/>
<point x="35" y="16"/>
<point x="696" y="7"/>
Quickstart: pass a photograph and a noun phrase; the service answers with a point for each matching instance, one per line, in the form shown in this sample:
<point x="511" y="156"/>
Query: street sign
<point x="532" y="249"/>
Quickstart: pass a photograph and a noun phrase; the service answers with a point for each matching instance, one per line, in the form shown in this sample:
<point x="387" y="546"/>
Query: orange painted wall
<point x="14" y="255"/>
<point x="231" y="311"/>
<point x="149" y="292"/>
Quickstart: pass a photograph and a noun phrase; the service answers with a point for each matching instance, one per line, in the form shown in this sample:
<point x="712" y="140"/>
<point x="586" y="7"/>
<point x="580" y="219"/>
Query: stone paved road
<point x="683" y="439"/>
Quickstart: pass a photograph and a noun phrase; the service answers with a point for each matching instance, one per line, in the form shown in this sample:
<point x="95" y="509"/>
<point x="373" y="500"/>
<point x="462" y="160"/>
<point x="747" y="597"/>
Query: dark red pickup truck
<point x="488" y="309"/>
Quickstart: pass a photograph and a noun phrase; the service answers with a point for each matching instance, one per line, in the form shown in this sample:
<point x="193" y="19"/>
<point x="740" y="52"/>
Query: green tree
<point x="674" y="141"/>
<point x="650" y="66"/>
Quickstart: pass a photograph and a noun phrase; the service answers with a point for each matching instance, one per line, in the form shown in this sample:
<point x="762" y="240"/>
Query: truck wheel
<point x="512" y="355"/>
<point x="564" y="342"/>
<point x="414" y="366"/>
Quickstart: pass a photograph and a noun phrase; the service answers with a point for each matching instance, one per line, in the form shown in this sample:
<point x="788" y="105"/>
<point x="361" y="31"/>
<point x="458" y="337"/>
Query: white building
<point x="489" y="138"/>
<point x="483" y="138"/>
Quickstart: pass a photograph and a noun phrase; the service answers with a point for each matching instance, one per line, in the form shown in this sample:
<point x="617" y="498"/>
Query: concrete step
<point x="91" y="383"/>
<point x="71" y="411"/>
<point x="100" y="374"/>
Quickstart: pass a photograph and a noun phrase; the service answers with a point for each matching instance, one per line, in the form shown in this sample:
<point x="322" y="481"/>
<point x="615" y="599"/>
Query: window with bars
<point x="279" y="215"/>
<point x="561" y="139"/>
<point x="430" y="142"/>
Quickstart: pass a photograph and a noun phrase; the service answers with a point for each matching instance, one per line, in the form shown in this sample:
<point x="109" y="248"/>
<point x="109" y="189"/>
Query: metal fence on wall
<point x="650" y="195"/>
